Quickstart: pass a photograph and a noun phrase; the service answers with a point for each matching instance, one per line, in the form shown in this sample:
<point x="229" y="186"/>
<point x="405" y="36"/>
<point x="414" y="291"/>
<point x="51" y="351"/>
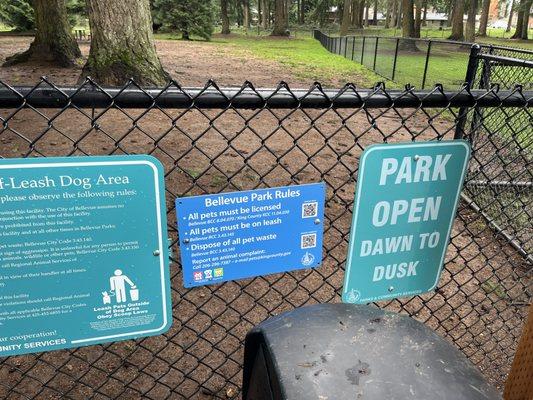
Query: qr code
<point x="310" y="209"/>
<point x="308" y="240"/>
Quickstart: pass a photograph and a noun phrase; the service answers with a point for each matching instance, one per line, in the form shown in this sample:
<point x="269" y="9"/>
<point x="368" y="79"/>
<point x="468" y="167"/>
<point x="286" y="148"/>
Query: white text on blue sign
<point x="245" y="234"/>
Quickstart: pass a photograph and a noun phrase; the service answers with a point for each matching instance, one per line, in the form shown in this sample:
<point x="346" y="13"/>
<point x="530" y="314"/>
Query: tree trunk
<point x="361" y="13"/>
<point x="408" y="26"/>
<point x="366" y="12"/>
<point x="394" y="13"/>
<point x="400" y="11"/>
<point x="259" y="13"/>
<point x="354" y="15"/>
<point x="457" y="21"/>
<point x="525" y="23"/>
<point x="522" y="23"/>
<point x="375" y="13"/>
<point x="246" y="13"/>
<point x="389" y="16"/>
<point x="346" y="14"/>
<point x="239" y="11"/>
<point x="408" y="23"/>
<point x="301" y="19"/>
<point x="425" y="16"/>
<point x="224" y="17"/>
<point x="510" y="20"/>
<point x="418" y="18"/>
<point x="519" y="20"/>
<point x="53" y="38"/>
<point x="484" y="18"/>
<point x="470" y="32"/>
<point x="450" y="14"/>
<point x="122" y="43"/>
<point x="266" y="14"/>
<point x="280" y="19"/>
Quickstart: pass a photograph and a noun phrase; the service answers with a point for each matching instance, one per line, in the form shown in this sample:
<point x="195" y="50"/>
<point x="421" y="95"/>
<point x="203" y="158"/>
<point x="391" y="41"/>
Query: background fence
<point x="212" y="140"/>
<point x="420" y="62"/>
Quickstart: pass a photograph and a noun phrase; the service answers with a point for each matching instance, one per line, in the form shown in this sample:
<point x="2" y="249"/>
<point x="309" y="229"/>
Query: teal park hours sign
<point x="83" y="252"/>
<point x="406" y="200"/>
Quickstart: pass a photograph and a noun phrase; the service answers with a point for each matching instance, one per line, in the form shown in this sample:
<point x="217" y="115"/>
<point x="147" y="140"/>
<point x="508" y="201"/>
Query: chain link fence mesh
<point x="213" y="140"/>
<point x="504" y="188"/>
<point x="426" y="62"/>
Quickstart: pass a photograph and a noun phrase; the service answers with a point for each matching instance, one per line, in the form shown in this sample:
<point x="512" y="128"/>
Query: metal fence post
<point x="375" y="53"/>
<point x="395" y="59"/>
<point x="353" y="46"/>
<point x="484" y="79"/>
<point x="363" y="50"/>
<point x="426" y="65"/>
<point x="469" y="81"/>
<point x="345" y="45"/>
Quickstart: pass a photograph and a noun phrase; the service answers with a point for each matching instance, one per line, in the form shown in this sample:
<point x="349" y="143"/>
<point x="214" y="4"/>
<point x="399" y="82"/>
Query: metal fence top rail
<point x="211" y="96"/>
<point x="506" y="48"/>
<point x="509" y="61"/>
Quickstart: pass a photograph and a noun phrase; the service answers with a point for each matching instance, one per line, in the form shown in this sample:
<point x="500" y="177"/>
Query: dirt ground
<point x="190" y="63"/>
<point x="479" y="304"/>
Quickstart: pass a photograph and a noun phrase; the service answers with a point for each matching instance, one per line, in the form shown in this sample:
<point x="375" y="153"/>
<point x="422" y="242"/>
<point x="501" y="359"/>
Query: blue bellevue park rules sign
<point x="239" y="235"/>
<point x="83" y="252"/>
<point x="406" y="200"/>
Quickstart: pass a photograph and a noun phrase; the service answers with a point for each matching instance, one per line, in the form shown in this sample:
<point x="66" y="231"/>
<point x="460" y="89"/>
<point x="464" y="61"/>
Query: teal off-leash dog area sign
<point x="84" y="255"/>
<point x="83" y="252"/>
<point x="406" y="200"/>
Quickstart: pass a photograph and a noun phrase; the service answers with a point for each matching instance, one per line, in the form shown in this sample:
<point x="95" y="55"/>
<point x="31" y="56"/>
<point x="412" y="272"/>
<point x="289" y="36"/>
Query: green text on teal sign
<point x="83" y="252"/>
<point x="406" y="200"/>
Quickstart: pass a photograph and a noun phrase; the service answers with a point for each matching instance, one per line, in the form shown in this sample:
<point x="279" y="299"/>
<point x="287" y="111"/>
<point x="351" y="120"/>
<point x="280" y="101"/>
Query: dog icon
<point x="106" y="298"/>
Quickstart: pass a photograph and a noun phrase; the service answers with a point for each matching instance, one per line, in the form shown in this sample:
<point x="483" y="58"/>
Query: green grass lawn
<point x="447" y="63"/>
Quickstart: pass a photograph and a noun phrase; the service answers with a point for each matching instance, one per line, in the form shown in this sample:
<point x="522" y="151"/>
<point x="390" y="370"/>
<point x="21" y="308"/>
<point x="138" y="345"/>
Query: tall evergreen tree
<point x="408" y="19"/>
<point x="265" y="15"/>
<point x="281" y="20"/>
<point x="17" y="14"/>
<point x="346" y="17"/>
<point x="190" y="17"/>
<point x="224" y="17"/>
<point x="522" y="20"/>
<point x="122" y="43"/>
<point x="246" y="14"/>
<point x="53" y="38"/>
<point x="457" y="20"/>
<point x="484" y="19"/>
<point x="510" y="19"/>
<point x="408" y="26"/>
<point x="470" y="31"/>
<point x="418" y="18"/>
<point x="388" y="13"/>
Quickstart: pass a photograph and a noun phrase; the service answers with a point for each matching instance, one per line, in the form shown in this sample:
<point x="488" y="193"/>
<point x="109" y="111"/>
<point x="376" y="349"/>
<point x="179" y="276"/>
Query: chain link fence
<point x="215" y="139"/>
<point x="419" y="62"/>
<point x="502" y="190"/>
<point x="426" y="62"/>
